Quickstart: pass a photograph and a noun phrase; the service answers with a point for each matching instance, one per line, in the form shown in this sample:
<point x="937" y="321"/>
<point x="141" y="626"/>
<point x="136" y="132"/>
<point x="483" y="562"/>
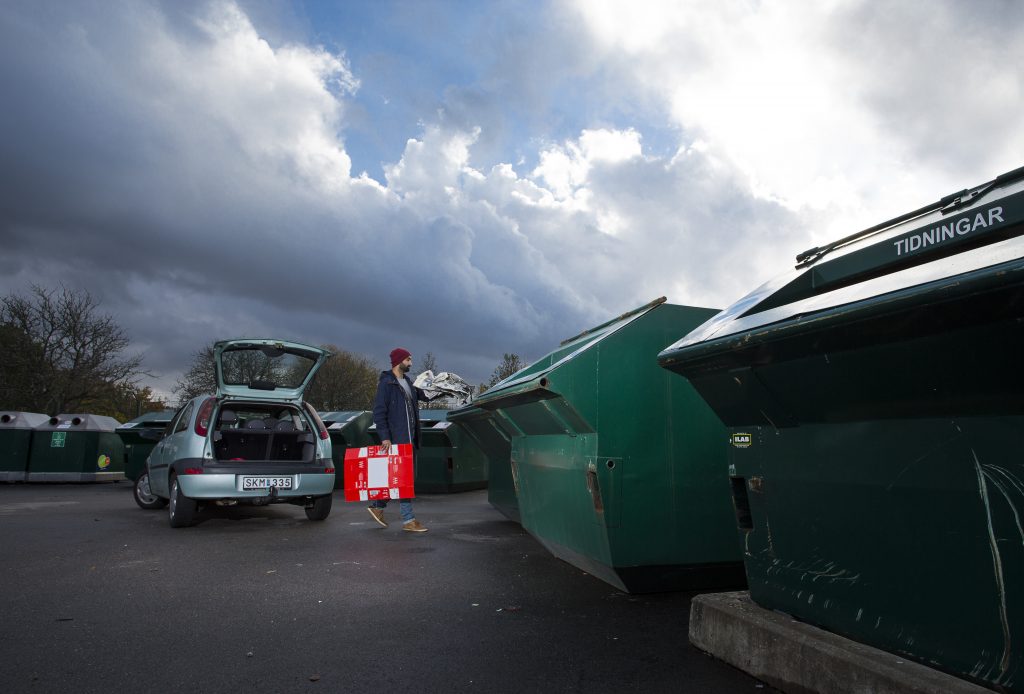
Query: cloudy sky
<point x="471" y="178"/>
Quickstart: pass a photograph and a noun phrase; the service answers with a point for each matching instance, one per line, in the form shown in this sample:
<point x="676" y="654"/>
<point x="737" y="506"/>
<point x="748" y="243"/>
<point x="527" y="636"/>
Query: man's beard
<point x="404" y="368"/>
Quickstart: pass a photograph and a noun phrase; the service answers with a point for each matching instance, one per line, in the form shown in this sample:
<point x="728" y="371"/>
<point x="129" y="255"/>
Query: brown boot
<point x="378" y="515"/>
<point x="414" y="526"/>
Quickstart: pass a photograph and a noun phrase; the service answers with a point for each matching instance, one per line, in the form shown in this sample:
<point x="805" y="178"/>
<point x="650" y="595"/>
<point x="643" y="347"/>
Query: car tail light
<point x="192" y="471"/>
<point x="203" y="418"/>
<point x="329" y="470"/>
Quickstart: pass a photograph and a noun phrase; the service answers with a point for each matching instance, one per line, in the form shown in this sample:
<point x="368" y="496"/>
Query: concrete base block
<point x="798" y="658"/>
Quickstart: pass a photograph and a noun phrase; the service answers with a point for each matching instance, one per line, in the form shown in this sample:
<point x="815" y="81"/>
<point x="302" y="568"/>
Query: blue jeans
<point x="404" y="506"/>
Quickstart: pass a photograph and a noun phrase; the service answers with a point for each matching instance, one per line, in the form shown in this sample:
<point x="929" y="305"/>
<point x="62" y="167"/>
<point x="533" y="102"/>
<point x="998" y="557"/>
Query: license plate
<point x="266" y="482"/>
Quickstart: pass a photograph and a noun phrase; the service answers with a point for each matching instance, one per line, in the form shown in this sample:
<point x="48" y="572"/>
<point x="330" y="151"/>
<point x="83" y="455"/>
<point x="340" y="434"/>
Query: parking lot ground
<point x="97" y="595"/>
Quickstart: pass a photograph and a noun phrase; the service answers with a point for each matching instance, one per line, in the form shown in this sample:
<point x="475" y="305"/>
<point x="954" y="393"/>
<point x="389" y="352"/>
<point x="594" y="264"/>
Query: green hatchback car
<point x="254" y="442"/>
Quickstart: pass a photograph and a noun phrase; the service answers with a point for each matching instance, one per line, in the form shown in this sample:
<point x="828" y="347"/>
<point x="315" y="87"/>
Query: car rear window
<point x="266" y="368"/>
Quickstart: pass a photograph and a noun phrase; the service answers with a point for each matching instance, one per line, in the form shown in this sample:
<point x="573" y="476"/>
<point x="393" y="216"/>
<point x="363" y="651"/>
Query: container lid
<point x="22" y="420"/>
<point x="567" y="350"/>
<point x="960" y="233"/>
<point x="150" y="420"/>
<point x="79" y="422"/>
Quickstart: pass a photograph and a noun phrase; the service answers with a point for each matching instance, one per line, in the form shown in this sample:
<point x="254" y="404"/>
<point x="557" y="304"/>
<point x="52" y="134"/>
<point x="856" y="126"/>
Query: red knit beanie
<point x="398" y="355"/>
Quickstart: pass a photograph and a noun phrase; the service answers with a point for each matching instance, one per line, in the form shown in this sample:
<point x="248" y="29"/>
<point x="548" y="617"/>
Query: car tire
<point x="181" y="511"/>
<point x="143" y="496"/>
<point x="320" y="509"/>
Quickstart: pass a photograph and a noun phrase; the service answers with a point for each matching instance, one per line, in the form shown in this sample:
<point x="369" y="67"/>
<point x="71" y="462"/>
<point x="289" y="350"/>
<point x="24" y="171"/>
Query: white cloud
<point x="831" y="106"/>
<point x="565" y="168"/>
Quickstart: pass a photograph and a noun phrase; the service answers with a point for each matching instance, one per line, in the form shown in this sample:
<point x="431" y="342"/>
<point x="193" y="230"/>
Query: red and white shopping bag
<point x="375" y="472"/>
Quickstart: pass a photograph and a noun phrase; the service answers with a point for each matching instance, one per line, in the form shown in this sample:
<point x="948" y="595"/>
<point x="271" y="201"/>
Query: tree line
<point x="63" y="355"/>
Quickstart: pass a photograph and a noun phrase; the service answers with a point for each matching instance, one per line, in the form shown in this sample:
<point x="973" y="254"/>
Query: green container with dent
<point x="875" y="461"/>
<point x="347" y="429"/>
<point x="449" y="459"/>
<point x="620" y="467"/>
<point x="492" y="434"/>
<point x="140" y="436"/>
<point x="16" y="443"/>
<point x="77" y="448"/>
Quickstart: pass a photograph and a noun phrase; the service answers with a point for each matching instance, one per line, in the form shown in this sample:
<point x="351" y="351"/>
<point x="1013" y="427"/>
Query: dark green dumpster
<point x="76" y="448"/>
<point x="604" y="482"/>
<point x="874" y="396"/>
<point x="492" y="434"/>
<point x="348" y="429"/>
<point x="16" y="443"/>
<point x="139" y="436"/>
<point x="449" y="459"/>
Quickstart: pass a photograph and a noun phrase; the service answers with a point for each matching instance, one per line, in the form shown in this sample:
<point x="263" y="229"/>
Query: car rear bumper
<point x="226" y="482"/>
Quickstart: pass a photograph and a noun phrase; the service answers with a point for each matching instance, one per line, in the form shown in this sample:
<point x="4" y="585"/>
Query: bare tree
<point x="510" y="363"/>
<point x="201" y="377"/>
<point x="60" y="353"/>
<point x="429" y="363"/>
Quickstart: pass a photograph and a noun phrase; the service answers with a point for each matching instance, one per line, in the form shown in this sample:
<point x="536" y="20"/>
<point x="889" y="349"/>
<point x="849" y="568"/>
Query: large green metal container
<point x="348" y="429"/>
<point x="874" y="396"/>
<point x="140" y="436"/>
<point x="621" y="467"/>
<point x="76" y="448"/>
<point x="16" y="443"/>
<point x="449" y="459"/>
<point x="492" y="434"/>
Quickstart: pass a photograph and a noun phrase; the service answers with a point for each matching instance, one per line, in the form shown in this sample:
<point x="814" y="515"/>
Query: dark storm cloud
<point x="189" y="175"/>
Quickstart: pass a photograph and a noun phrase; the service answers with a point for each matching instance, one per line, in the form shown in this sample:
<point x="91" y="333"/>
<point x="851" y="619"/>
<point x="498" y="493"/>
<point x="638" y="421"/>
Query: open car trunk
<point x="263" y="432"/>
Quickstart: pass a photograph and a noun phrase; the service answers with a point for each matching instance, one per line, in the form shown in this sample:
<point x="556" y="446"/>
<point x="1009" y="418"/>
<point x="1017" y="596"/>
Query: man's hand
<point x="386" y="444"/>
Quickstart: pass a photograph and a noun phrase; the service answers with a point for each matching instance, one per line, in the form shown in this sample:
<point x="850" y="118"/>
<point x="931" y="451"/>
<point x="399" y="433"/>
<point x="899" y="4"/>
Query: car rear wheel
<point x="181" y="511"/>
<point x="320" y="509"/>
<point x="144" y="497"/>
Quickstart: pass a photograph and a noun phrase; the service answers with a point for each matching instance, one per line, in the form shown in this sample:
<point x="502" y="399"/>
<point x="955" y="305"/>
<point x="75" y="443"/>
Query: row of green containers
<point x="65" y="448"/>
<point x="448" y="460"/>
<point x="850" y="432"/>
<point x="91" y="448"/>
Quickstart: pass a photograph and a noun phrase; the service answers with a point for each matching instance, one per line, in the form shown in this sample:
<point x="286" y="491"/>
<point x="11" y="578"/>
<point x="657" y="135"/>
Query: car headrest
<point x="228" y="417"/>
<point x="255" y="424"/>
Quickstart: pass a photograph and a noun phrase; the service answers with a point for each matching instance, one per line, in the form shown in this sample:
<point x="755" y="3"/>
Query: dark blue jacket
<point x="397" y="420"/>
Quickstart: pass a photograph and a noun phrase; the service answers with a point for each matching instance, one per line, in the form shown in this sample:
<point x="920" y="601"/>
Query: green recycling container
<point x="620" y="467"/>
<point x="874" y="398"/>
<point x="16" y="443"/>
<point x="348" y="429"/>
<point x="492" y="434"/>
<point x="449" y="459"/>
<point x="76" y="448"/>
<point x="140" y="436"/>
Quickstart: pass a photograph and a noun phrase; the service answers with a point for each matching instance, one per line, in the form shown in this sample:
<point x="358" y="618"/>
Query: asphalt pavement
<point x="97" y="595"/>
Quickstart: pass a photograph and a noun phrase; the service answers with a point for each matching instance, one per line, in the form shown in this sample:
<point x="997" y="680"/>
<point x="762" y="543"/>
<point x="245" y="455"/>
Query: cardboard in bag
<point x="376" y="472"/>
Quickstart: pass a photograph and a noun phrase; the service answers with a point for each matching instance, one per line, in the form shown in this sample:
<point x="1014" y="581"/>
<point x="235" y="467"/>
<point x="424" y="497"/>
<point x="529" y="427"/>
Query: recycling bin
<point x="76" y="448"/>
<point x="16" y="443"/>
<point x="492" y="435"/>
<point x="873" y="396"/>
<point x="449" y="459"/>
<point x="603" y="481"/>
<point x="140" y="436"/>
<point x="348" y="429"/>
